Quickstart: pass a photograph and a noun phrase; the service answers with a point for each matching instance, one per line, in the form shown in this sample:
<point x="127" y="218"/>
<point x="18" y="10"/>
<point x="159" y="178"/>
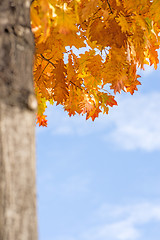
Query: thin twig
<point x="75" y="85"/>
<point x="48" y="60"/>
<point x="109" y="6"/>
<point x="42" y="71"/>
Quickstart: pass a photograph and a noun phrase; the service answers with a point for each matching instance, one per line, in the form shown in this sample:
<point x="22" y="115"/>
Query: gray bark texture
<point x="18" y="217"/>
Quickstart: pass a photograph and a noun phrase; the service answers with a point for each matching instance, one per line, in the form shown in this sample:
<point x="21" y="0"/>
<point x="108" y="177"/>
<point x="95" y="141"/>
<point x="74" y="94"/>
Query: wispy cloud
<point x="118" y="222"/>
<point x="138" y="125"/>
<point x="134" y="124"/>
<point x="136" y="213"/>
<point x="122" y="222"/>
<point x="122" y="230"/>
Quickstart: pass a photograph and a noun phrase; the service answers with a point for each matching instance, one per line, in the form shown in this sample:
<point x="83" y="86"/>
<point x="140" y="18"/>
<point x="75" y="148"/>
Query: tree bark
<point x="18" y="217"/>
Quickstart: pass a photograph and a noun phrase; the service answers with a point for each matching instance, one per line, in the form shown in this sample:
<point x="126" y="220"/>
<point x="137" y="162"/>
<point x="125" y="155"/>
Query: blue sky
<point x="101" y="180"/>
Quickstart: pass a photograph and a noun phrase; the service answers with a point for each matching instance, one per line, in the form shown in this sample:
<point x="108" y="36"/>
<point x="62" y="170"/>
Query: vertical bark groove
<point x="18" y="217"/>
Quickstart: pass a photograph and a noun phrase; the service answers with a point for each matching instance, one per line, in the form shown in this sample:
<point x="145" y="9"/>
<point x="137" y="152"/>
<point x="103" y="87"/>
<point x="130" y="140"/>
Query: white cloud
<point x="116" y="231"/>
<point x="134" y="124"/>
<point x="136" y="213"/>
<point x="122" y="222"/>
<point x="117" y="222"/>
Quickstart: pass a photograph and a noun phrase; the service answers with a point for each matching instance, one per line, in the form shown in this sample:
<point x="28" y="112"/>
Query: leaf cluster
<point x="119" y="36"/>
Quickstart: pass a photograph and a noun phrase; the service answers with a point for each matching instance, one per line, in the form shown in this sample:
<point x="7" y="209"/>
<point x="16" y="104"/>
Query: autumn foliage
<point x="120" y="36"/>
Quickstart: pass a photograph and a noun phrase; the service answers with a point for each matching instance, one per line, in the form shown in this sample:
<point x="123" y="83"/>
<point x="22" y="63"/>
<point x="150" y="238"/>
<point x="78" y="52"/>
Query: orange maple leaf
<point x="41" y="120"/>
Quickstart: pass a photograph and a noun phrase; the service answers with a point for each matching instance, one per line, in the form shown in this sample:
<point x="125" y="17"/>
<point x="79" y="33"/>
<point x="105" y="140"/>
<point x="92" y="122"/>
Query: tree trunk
<point x="18" y="219"/>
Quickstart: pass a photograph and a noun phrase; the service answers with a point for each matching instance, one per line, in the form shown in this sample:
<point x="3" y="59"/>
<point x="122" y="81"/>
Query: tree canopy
<point x="119" y="36"/>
